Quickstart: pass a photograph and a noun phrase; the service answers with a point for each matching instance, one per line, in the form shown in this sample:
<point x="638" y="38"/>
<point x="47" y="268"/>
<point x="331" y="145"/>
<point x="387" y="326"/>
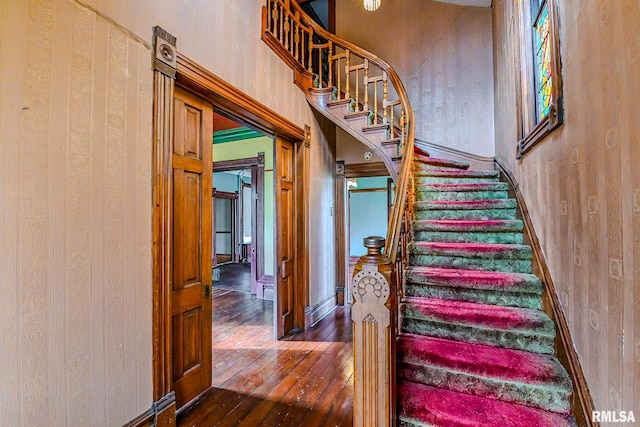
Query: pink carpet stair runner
<point x="475" y="348"/>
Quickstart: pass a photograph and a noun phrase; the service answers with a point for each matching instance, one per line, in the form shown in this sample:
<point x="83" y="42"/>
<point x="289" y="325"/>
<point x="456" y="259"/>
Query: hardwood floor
<point x="235" y="277"/>
<point x="304" y="379"/>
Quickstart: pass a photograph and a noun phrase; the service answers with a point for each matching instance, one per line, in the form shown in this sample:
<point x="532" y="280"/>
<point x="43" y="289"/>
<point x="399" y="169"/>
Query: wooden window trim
<point x="528" y="139"/>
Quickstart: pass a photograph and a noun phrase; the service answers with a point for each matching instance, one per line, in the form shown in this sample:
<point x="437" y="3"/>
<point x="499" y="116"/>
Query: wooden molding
<point x="373" y="338"/>
<point x="436" y="150"/>
<point x="162" y="137"/>
<point x="143" y="420"/>
<point x="314" y="314"/>
<point x="360" y="170"/>
<point x="196" y="78"/>
<point x="161" y="414"/>
<point x="581" y="401"/>
<point x="342" y="231"/>
<point x="225" y="194"/>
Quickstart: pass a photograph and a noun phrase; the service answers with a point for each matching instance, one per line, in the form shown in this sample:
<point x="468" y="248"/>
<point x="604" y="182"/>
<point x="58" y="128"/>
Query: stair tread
<point x="479" y="360"/>
<point x="466" y="204"/>
<point x="478" y="315"/>
<point x="478" y="279"/>
<point x="496" y="225"/>
<point x="434" y="406"/>
<point x="440" y="162"/>
<point x="477" y="250"/>
<point x="457" y="173"/>
<point x="463" y="187"/>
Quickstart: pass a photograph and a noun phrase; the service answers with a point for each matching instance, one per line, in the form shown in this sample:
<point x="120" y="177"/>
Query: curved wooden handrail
<point x="281" y="18"/>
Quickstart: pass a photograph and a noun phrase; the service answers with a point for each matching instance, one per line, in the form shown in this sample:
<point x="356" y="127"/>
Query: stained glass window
<point x="542" y="51"/>
<point x="540" y="94"/>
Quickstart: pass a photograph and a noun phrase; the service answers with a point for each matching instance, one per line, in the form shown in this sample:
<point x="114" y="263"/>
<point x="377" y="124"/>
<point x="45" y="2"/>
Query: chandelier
<point x="371" y="5"/>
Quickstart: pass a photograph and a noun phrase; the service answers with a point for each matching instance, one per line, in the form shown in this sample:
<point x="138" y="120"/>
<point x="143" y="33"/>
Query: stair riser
<point x="487" y="214"/>
<point x="522" y="340"/>
<point x="469" y="237"/>
<point x="459" y="195"/>
<point x="508" y="265"/>
<point x="485" y="296"/>
<point x="420" y="180"/>
<point x="528" y="394"/>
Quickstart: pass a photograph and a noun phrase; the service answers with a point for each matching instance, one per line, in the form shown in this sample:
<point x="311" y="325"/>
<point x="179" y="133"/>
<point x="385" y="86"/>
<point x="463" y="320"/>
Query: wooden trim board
<point x="581" y="401"/>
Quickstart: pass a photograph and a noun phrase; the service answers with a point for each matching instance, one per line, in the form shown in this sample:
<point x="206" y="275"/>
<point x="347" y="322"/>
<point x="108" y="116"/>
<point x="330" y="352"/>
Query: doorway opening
<point x="183" y="255"/>
<point x="243" y="208"/>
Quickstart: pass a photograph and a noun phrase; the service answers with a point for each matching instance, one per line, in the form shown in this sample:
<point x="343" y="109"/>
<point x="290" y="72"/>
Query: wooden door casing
<point x="190" y="287"/>
<point x="285" y="235"/>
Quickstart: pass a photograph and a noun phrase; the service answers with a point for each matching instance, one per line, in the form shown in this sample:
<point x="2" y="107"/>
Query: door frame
<point x="172" y="68"/>
<point x="215" y="194"/>
<point x="256" y="166"/>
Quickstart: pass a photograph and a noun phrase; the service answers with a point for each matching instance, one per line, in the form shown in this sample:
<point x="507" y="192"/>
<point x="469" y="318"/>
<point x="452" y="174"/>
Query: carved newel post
<point x="372" y="337"/>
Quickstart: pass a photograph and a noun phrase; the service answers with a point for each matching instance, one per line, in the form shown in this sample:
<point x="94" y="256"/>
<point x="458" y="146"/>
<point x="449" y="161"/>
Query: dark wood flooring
<point x="304" y="379"/>
<point x="234" y="276"/>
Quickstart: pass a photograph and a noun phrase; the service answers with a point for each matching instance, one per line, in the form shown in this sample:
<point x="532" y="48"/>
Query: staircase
<point x="474" y="347"/>
<point x="447" y="320"/>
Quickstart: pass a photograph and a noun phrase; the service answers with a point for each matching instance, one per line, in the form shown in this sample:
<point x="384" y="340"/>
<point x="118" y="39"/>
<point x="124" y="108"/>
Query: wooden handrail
<point x="378" y="279"/>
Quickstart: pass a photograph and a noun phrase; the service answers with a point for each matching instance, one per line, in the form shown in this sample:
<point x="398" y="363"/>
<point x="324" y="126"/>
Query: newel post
<point x="374" y="353"/>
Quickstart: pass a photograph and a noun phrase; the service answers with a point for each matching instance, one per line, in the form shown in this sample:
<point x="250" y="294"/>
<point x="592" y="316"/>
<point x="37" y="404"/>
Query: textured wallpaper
<point x="75" y="218"/>
<point x="442" y="54"/>
<point x="582" y="185"/>
<point x="75" y="192"/>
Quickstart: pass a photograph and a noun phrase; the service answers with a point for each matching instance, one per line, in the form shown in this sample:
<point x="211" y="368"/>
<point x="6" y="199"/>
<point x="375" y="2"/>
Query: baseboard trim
<point x="161" y="414"/>
<point x="581" y="401"/>
<point x="265" y="287"/>
<point x="143" y="420"/>
<point x="440" y="151"/>
<point x="313" y="314"/>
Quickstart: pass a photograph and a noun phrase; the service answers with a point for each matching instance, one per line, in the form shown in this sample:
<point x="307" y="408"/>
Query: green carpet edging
<point x="518" y="340"/>
<point x="551" y="397"/>
<point x="485" y="296"/>
<point x="469" y="236"/>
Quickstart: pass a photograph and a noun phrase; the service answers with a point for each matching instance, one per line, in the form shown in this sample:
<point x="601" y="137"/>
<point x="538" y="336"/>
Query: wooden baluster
<point x="392" y="123"/>
<point x="281" y="22"/>
<point x="286" y="32"/>
<point x="274" y="17"/>
<point x="296" y="36"/>
<point x="330" y="63"/>
<point x="339" y="73"/>
<point x="346" y="72"/>
<point x="384" y="96"/>
<point x="366" y="84"/>
<point x="320" y="65"/>
<point x="310" y="58"/>
<point x="375" y="103"/>
<point x="373" y="337"/>
<point x="269" y="14"/>
<point x="357" y="106"/>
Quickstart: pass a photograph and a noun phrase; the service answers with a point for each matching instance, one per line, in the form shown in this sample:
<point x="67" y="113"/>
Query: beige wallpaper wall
<point x="75" y="218"/>
<point x="75" y="192"/>
<point x="582" y="185"/>
<point x="442" y="53"/>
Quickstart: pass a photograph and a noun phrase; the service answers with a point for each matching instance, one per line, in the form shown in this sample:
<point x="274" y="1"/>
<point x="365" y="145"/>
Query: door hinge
<point x="206" y="291"/>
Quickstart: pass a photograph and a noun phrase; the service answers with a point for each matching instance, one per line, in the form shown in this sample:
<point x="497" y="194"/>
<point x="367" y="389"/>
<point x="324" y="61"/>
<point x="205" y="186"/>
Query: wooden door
<point x="285" y="249"/>
<point x="191" y="247"/>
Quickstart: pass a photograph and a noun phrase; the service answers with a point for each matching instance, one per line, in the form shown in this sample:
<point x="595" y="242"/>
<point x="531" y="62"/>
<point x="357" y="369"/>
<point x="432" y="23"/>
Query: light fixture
<point x="371" y="5"/>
